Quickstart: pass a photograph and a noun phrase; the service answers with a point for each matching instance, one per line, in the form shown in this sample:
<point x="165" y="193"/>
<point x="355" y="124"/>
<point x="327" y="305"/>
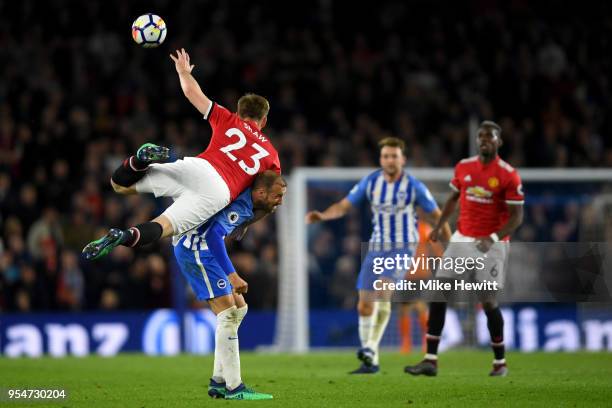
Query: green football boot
<point x="243" y="393"/>
<point x="101" y="247"/>
<point x="150" y="153"/>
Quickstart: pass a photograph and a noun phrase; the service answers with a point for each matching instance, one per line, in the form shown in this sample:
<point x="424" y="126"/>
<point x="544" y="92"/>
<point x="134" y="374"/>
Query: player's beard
<point x="392" y="171"/>
<point x="489" y="154"/>
<point x="264" y="206"/>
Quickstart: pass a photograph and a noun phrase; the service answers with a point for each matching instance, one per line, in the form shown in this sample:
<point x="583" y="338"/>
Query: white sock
<point x="382" y="311"/>
<point x="240" y="313"/>
<point x="366" y="324"/>
<point x="226" y="347"/>
<point x="217" y="367"/>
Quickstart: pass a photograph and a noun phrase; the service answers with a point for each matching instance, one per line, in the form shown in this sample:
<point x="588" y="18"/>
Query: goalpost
<point x="292" y="324"/>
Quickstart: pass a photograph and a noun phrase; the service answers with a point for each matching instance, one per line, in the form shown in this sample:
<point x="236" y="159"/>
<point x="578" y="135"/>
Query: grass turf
<point x="320" y="380"/>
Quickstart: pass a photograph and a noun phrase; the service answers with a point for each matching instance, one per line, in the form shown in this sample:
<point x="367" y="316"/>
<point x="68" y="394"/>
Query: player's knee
<point x="384" y="307"/>
<point x="489" y="305"/>
<point x="222" y="303"/>
<point x="116" y="186"/>
<point x="227" y="317"/>
<point x="167" y="227"/>
<point x="365" y="308"/>
<point x="121" y="189"/>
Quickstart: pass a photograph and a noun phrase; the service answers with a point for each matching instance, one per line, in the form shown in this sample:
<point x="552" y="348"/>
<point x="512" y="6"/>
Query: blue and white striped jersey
<point x="394" y="216"/>
<point x="236" y="213"/>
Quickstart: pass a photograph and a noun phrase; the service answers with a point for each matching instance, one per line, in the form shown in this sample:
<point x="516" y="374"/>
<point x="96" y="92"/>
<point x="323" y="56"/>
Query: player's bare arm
<point x="515" y="220"/>
<point x="189" y="85"/>
<point x="433" y="219"/>
<point x="334" y="211"/>
<point x="447" y="211"/>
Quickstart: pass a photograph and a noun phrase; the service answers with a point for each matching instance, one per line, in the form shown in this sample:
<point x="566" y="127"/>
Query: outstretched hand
<point x="182" y="62"/>
<point x="313" y="217"/>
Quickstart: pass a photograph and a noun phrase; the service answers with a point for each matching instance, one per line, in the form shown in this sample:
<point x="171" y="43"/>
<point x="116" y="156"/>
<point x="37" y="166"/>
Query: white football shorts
<point x="494" y="261"/>
<point x="198" y="190"/>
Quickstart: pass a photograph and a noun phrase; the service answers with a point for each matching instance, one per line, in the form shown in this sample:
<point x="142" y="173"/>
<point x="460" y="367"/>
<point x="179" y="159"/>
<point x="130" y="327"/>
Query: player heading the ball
<point x="200" y="186"/>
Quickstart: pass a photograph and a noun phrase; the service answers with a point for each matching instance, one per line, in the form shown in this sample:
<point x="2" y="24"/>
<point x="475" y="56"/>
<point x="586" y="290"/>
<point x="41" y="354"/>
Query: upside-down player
<point x="203" y="260"/>
<point x="394" y="196"/>
<point x="490" y="196"/>
<point x="202" y="185"/>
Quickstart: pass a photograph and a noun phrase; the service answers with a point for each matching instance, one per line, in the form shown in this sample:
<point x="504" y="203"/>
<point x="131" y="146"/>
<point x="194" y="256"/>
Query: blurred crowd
<point x="77" y="96"/>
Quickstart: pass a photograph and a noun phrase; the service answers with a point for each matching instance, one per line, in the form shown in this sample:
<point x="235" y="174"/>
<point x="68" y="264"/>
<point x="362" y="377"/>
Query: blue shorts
<point x="372" y="271"/>
<point x="203" y="273"/>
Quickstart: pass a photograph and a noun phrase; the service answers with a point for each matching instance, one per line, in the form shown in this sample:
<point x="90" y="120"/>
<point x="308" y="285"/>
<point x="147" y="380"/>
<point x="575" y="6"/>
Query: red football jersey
<point x="238" y="150"/>
<point x="486" y="190"/>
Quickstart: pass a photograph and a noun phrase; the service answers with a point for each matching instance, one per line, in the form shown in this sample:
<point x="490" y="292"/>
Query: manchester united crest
<point x="493" y="182"/>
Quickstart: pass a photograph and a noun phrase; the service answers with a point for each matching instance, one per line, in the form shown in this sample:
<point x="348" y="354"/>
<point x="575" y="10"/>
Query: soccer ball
<point x="149" y="30"/>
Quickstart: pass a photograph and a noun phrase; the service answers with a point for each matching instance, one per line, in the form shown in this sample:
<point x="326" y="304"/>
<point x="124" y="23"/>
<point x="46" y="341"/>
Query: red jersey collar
<point x="495" y="160"/>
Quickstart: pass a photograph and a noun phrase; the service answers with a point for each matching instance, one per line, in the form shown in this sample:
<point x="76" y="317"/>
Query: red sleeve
<point x="455" y="183"/>
<point x="514" y="189"/>
<point x="217" y="114"/>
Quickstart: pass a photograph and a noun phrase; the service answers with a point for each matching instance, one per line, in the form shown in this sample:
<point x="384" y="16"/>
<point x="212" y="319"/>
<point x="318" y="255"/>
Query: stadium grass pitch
<point x="319" y="380"/>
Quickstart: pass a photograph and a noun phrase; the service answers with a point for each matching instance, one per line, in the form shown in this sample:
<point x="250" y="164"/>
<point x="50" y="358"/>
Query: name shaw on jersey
<point x="258" y="135"/>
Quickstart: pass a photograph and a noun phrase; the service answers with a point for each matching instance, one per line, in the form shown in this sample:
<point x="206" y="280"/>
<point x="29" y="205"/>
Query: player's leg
<point x="230" y="310"/>
<point x="133" y="237"/>
<point x="374" y="310"/>
<point x="495" y="324"/>
<point x="437" y="309"/>
<point x="134" y="168"/>
<point x="494" y="270"/>
<point x="186" y="213"/>
<point x="435" y="324"/>
<point x="159" y="179"/>
<point x="241" y="307"/>
<point x="209" y="283"/>
<point x="216" y="387"/>
<point x="382" y="312"/>
<point x="429" y="365"/>
<point x="367" y="317"/>
<point x="227" y="354"/>
<point x="193" y="204"/>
